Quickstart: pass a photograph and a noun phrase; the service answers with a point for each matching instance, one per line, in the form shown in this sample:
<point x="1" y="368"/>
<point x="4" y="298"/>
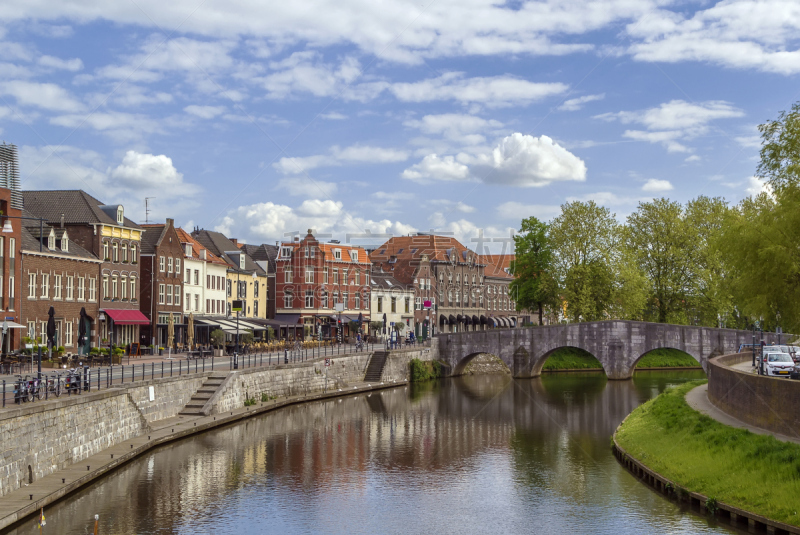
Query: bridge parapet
<point x="617" y="344"/>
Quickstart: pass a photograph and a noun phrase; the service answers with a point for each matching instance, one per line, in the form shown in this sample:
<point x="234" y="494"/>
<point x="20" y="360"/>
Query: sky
<point x="361" y="119"/>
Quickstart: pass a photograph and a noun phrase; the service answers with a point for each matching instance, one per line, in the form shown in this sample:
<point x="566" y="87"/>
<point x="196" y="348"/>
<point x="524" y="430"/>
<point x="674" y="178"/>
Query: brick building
<point x="312" y="277"/>
<point x="104" y="231"/>
<point x="452" y="278"/>
<point x="162" y="283"/>
<point x="59" y="273"/>
<point x="10" y="270"/>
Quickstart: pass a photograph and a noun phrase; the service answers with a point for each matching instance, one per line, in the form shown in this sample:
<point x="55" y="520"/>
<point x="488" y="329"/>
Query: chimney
<point x="235" y="242"/>
<point x="170" y="222"/>
<point x="62" y="220"/>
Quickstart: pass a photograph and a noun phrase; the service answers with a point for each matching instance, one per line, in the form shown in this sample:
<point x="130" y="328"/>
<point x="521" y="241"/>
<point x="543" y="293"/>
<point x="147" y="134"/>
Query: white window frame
<point x="162" y="264"/>
<point x="57" y="287"/>
<point x="309" y="275"/>
<point x="161" y="293"/>
<point x="92" y="289"/>
<point x="31" y="286"/>
<point x="45" y="285"/>
<point x="169" y="294"/>
<point x="309" y="299"/>
<point x="70" y="287"/>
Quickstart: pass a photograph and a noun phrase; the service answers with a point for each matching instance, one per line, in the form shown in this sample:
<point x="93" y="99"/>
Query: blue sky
<point x="261" y="119"/>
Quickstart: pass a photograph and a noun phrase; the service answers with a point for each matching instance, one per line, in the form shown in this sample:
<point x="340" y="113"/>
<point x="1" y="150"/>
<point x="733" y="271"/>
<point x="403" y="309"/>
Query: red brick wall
<point x="152" y="277"/>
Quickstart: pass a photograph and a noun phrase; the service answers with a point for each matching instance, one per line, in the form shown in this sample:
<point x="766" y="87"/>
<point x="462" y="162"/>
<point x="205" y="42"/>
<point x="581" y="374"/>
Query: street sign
<point x="237" y="305"/>
<point x="338" y="307"/>
<point x="9" y="318"/>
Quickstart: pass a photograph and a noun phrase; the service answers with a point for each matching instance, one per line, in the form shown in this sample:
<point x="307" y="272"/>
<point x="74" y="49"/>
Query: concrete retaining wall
<point x="766" y="402"/>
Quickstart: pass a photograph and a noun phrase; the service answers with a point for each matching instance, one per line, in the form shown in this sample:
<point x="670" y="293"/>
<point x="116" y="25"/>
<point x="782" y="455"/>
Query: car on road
<point x="778" y="364"/>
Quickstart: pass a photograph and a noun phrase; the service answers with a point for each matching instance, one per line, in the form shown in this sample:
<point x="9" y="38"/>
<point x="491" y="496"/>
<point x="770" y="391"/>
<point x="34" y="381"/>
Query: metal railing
<point x="85" y="379"/>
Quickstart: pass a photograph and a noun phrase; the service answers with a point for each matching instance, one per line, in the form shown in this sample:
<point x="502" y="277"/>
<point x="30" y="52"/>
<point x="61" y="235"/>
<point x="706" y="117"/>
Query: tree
<point x="663" y="246"/>
<point x="780" y="150"/>
<point x="533" y="287"/>
<point x="588" y="289"/>
<point x="218" y="338"/>
<point x="631" y="288"/>
<point x="583" y="232"/>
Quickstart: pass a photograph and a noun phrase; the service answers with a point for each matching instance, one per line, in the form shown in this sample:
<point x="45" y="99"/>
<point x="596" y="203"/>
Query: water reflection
<point x="475" y="454"/>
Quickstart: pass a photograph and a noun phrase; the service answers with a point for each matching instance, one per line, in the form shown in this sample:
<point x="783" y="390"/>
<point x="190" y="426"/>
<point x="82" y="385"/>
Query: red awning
<point x="127" y="317"/>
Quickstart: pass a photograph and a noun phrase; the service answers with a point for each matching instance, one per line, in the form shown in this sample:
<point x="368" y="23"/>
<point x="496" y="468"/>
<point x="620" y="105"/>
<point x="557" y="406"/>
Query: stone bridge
<point x="617" y="344"/>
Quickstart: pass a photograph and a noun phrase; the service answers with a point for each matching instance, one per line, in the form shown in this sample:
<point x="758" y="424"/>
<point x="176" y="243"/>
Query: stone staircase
<point x="375" y="366"/>
<point x="201" y="397"/>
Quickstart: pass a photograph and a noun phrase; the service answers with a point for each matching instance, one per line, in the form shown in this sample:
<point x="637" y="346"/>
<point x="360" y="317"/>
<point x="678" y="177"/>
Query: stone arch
<point x="696" y="357"/>
<point x="458" y="369"/>
<point x="539" y="362"/>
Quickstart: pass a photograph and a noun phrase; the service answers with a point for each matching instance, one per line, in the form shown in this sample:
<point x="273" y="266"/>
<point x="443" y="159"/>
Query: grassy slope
<point x="755" y="472"/>
<point x="667" y="358"/>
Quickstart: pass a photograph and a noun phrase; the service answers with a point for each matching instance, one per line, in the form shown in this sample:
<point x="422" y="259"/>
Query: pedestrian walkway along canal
<point x="476" y="454"/>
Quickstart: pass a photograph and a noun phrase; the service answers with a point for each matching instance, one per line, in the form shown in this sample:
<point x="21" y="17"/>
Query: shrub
<point x="421" y="371"/>
<point x="218" y="338"/>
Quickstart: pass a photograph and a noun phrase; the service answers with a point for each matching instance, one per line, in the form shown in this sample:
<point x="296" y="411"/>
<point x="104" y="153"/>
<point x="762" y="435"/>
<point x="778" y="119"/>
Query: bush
<point x="218" y="338"/>
<point x="421" y="371"/>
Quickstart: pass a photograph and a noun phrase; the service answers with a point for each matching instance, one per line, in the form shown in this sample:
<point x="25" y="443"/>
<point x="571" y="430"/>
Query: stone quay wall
<point x="766" y="402"/>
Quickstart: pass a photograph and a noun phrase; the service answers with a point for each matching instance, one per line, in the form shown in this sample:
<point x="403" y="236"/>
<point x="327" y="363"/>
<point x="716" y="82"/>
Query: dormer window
<point x="65" y="242"/>
<point x="286" y="252"/>
<point x="120" y="215"/>
<point x="241" y="261"/>
<point x="51" y="240"/>
<point x="354" y="256"/>
<point x="337" y="254"/>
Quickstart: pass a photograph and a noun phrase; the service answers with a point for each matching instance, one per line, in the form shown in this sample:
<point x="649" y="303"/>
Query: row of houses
<point x="124" y="283"/>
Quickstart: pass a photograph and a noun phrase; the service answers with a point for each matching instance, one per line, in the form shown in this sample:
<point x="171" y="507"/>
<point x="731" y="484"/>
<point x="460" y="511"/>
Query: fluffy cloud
<point x="41" y="95"/>
<point x="494" y="91"/>
<point x="205" y="112"/>
<point x="460" y="128"/>
<point x="754" y="34"/>
<point x="72" y="65"/>
<point x="674" y="121"/>
<point x="303" y="187"/>
<point x="655" y="185"/>
<point x="574" y="104"/>
<point x="755" y="187"/>
<point x="517" y="160"/>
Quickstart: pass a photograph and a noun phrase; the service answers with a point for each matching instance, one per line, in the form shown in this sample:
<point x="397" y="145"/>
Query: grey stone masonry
<point x="617" y="344"/>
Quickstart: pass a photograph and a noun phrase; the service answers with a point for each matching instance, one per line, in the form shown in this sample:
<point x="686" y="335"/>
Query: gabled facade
<point x="105" y="232"/>
<point x="205" y="279"/>
<point x="162" y="284"/>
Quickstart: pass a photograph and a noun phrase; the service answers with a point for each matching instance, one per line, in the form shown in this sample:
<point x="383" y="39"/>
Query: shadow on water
<point x="475" y="454"/>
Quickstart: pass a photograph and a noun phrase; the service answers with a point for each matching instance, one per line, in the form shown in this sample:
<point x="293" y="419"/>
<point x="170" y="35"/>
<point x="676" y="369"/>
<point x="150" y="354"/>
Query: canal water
<point x="477" y="454"/>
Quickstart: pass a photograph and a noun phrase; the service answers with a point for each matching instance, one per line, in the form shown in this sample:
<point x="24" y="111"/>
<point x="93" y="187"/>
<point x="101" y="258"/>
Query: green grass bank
<point x="572" y="358"/>
<point x="757" y="473"/>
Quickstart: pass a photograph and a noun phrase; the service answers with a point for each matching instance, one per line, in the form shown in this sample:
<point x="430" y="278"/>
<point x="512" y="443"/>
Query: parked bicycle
<point x="53" y="385"/>
<point x="72" y="383"/>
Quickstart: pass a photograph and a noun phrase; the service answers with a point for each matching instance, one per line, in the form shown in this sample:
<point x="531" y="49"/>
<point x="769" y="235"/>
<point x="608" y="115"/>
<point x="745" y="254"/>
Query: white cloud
<point x="150" y="172"/>
<point x="333" y="116"/>
<point x="693" y="158"/>
<point x="655" y="185"/>
<point x="205" y="112"/>
<point x="519" y="211"/>
<point x="73" y="65"/>
<point x="461" y="128"/>
<point x="751" y="142"/>
<point x="303" y="187"/>
<point x="41" y="95"/>
<point x="517" y="160"/>
<point x="337" y="156"/>
<point x="574" y="104"/>
<point x="752" y="34"/>
<point x="494" y="91"/>
<point x="607" y="198"/>
<point x="674" y="121"/>
<point x="119" y="125"/>
<point x="457" y="206"/>
<point x="755" y="187"/>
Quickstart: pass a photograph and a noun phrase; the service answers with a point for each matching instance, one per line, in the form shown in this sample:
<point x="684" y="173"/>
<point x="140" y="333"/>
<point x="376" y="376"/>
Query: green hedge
<point x="424" y="370"/>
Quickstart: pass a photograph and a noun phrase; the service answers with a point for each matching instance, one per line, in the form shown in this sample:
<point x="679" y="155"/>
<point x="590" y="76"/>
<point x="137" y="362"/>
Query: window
<point x="336" y="276"/>
<point x="45" y="285"/>
<point x="31" y="285"/>
<point x="345" y="300"/>
<point x="92" y="289"/>
<point x="325" y="275"/>
<point x="120" y="216"/>
<point x="337" y="254"/>
<point x="394" y="304"/>
<point x="324" y="299"/>
<point x="178" y="266"/>
<point x="115" y="252"/>
<point x="228" y="288"/>
<point x="255" y="289"/>
<point x="124" y="287"/>
<point x="356" y="301"/>
<point x="408" y="305"/>
<point x="255" y="303"/>
<point x="354" y="256"/>
<point x="57" y="287"/>
<point x="133" y="254"/>
<point x="169" y="294"/>
<point x="196" y="302"/>
<point x="161" y="264"/>
<point x="458" y="297"/>
<point x="11" y="290"/>
<point x="70" y="287"/>
<point x="208" y="306"/>
<point x="288" y="300"/>
<point x="197" y="277"/>
<point x="309" y="274"/>
<point x="51" y="240"/>
<point x="344" y="276"/>
<point x="169" y="265"/>
<point x="309" y="299"/>
<point x="177" y="294"/>
<point x="160" y="294"/>
<point x="208" y="282"/>
<point x="133" y="289"/>
<point x="81" y="288"/>
<point x="114" y="287"/>
<point x="105" y="251"/>
<point x="68" y="334"/>
<point x="124" y="252"/>
<point x="287" y="274"/>
<point x="417" y="303"/>
<point x="357" y="277"/>
<point x="380" y="304"/>
<point x="188" y="279"/>
<point x="286" y="252"/>
<point x="450" y="296"/>
<point x="43" y="332"/>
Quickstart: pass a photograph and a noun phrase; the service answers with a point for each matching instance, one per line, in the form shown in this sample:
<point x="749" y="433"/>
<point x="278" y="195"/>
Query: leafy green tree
<point x="663" y="245"/>
<point x="588" y="289"/>
<point x="631" y="287"/>
<point x="583" y="232"/>
<point x="218" y="338"/>
<point x="780" y="150"/>
<point x="533" y="287"/>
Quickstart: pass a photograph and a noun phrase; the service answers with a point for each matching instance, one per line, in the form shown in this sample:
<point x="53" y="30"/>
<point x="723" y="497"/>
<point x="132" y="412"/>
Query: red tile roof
<point x="185" y="237"/>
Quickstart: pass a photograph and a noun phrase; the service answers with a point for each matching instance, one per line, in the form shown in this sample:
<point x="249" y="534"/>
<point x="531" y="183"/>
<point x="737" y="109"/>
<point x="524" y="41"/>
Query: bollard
<point x="87" y="467"/>
<point x="63" y="480"/>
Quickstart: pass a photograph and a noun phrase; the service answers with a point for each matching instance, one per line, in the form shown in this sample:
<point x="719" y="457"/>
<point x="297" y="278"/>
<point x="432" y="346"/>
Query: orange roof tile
<point x="497" y="264"/>
<point x="185" y="237"/>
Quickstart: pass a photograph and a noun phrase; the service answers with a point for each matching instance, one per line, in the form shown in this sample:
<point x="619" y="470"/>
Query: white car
<point x="778" y="364"/>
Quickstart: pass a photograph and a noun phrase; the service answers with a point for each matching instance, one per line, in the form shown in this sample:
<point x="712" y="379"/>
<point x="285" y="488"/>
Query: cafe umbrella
<point x="190" y="330"/>
<point x="171" y="332"/>
<point x="51" y="335"/>
<point x="82" y="332"/>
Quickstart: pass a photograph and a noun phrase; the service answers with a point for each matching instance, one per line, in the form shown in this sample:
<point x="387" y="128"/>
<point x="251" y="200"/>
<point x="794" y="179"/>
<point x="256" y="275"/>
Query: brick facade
<point x="162" y="283"/>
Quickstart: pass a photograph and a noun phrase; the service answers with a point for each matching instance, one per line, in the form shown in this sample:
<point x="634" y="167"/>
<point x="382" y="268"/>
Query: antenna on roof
<point x="147" y="209"/>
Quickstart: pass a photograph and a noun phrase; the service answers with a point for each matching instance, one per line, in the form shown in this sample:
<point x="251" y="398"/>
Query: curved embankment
<point x="766" y="402"/>
<point x="731" y="473"/>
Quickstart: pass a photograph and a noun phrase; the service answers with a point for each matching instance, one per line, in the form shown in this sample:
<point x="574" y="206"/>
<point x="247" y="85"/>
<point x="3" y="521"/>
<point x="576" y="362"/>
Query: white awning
<point x="14" y="325"/>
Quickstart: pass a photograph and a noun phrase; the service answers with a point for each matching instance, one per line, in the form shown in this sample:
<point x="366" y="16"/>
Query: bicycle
<point x="53" y="385"/>
<point x="21" y="390"/>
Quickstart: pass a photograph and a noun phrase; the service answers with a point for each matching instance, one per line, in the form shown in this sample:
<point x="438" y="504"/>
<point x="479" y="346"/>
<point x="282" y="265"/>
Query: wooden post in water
<point x="96" y="518"/>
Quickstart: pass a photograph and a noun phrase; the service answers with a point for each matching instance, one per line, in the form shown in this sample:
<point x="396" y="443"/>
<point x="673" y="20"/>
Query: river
<point x="477" y="454"/>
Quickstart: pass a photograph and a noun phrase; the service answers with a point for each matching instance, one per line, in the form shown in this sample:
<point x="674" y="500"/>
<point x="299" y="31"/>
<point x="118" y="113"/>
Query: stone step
<point x="191" y="405"/>
<point x="185" y="412"/>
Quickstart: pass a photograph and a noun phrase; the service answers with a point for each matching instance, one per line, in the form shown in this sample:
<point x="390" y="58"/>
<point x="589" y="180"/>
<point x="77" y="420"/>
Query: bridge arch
<point x="694" y="356"/>
<point x="462" y="364"/>
<point x="581" y="352"/>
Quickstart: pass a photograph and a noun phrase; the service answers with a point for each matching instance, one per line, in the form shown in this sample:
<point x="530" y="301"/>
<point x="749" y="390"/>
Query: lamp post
<point x="238" y="312"/>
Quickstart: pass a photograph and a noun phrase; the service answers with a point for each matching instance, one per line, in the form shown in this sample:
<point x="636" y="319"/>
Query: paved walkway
<point x="697" y="398"/>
